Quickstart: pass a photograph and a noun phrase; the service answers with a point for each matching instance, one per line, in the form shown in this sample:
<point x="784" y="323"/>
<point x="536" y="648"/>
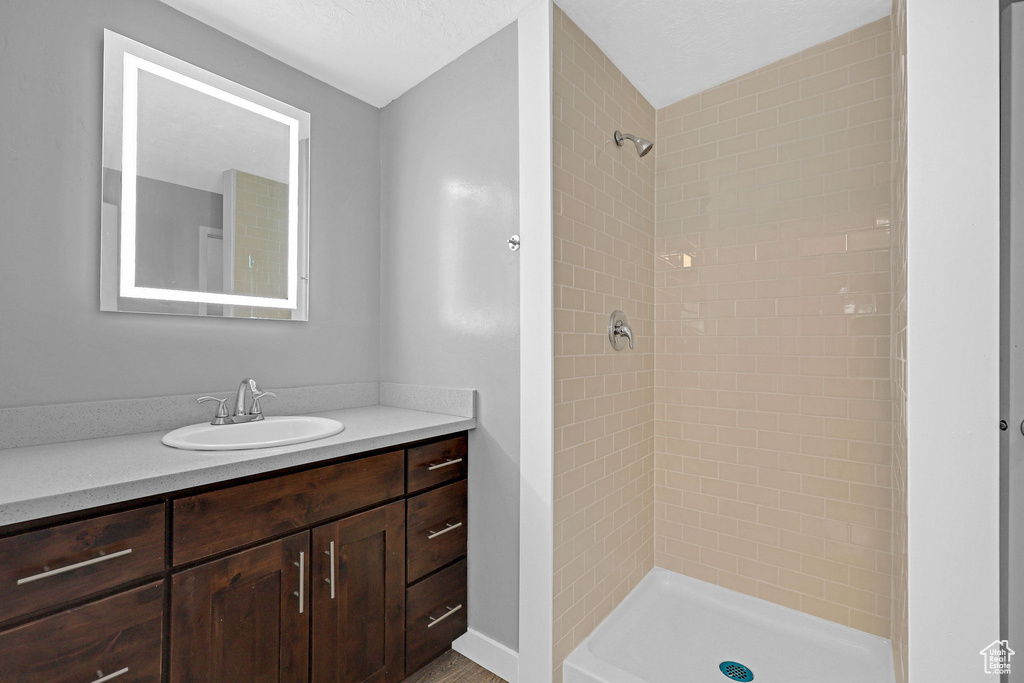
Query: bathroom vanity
<point x="351" y="568"/>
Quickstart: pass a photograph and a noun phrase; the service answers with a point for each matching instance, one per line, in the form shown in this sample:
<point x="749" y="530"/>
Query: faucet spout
<point x="249" y="383"/>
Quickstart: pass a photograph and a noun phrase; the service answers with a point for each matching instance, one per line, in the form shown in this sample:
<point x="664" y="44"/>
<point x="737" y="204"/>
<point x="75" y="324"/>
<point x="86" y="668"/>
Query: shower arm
<point x="643" y="146"/>
<point x="620" y="136"/>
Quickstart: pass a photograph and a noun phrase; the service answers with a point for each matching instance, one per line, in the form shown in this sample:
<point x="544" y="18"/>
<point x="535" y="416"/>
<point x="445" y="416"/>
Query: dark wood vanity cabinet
<point x="437" y="463"/>
<point x="116" y="638"/>
<point x="437" y="529"/>
<point x="348" y="571"/>
<point x="436" y="571"/>
<point x="359" y="598"/>
<point x="215" y="521"/>
<point x="436" y="614"/>
<point x="58" y="564"/>
<point x="243" y="618"/>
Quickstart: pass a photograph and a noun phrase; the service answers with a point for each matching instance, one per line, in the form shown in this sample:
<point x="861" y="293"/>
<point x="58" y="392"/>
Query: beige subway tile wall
<point x="899" y="342"/>
<point x="260" y="242"/>
<point x="773" y="394"/>
<point x="604" y="400"/>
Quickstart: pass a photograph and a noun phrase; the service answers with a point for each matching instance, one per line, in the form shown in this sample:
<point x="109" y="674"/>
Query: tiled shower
<point x="604" y="206"/>
<point x="748" y="440"/>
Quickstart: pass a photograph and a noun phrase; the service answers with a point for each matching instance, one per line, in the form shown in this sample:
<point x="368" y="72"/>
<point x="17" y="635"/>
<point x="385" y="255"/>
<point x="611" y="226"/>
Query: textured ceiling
<point x="671" y="49"/>
<point x="372" y="49"/>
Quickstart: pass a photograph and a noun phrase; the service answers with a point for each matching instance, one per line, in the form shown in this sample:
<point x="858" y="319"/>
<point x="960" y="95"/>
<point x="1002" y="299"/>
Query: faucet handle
<point x="624" y="330"/>
<point x="619" y="329"/>
<point x="256" y="409"/>
<point x="222" y="409"/>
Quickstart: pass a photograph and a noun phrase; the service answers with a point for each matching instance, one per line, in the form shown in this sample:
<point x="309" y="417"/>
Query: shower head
<point x="642" y="146"/>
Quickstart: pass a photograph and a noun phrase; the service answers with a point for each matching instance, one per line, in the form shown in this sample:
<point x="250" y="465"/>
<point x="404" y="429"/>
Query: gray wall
<point x="447" y="299"/>
<point x="169" y="217"/>
<point x="55" y="344"/>
<point x="450" y="287"/>
<point x="168" y="220"/>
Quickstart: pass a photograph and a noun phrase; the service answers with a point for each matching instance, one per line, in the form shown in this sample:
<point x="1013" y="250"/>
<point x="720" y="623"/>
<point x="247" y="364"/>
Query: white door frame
<point x="536" y="346"/>
<point x="953" y="432"/>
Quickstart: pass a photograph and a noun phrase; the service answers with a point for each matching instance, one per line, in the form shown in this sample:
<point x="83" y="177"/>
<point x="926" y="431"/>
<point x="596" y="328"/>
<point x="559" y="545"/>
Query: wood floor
<point x="451" y="667"/>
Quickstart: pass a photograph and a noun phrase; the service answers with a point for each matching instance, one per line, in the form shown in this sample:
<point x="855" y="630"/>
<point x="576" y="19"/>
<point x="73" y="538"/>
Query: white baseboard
<point x="490" y="654"/>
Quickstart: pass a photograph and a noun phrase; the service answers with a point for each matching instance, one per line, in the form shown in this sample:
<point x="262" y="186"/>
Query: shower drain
<point x="736" y="671"/>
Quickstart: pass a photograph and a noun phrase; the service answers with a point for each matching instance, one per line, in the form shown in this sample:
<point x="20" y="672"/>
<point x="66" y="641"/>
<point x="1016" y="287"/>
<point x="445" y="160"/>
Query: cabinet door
<point x="243" y="618"/>
<point x="358" y="598"/>
<point x="118" y="638"/>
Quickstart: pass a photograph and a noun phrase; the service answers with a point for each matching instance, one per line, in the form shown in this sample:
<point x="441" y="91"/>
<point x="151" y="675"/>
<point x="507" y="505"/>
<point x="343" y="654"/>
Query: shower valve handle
<point x="623" y="330"/>
<point x="619" y="331"/>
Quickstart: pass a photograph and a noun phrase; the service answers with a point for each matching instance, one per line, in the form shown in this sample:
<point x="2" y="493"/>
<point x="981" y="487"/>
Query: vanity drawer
<point x="436" y="529"/>
<point x="436" y="463"/>
<point x="209" y="523"/>
<point x="44" y="568"/>
<point x="435" y="615"/>
<point x="116" y="639"/>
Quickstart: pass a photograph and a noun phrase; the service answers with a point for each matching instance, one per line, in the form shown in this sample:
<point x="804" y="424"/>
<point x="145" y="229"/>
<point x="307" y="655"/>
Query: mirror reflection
<point x="204" y="185"/>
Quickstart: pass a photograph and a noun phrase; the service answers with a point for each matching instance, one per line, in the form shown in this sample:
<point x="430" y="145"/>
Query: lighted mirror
<point x="205" y="192"/>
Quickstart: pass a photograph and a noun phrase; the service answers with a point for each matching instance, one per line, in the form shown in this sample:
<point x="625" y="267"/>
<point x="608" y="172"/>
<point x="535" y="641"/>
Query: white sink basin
<point x="266" y="433"/>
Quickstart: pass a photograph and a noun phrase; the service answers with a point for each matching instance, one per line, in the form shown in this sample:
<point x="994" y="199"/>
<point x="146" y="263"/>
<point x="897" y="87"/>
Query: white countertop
<point x="50" y="479"/>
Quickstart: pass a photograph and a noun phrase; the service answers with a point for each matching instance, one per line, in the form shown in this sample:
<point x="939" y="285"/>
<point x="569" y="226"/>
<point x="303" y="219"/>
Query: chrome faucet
<point x="624" y="330"/>
<point x="619" y="329"/>
<point x="253" y="414"/>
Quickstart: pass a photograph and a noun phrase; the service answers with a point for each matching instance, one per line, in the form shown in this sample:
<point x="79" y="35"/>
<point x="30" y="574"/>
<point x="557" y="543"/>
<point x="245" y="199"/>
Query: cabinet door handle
<point x="330" y="553"/>
<point x="301" y="564"/>
<point x="446" y="463"/>
<point x="451" y="611"/>
<point x="109" y="677"/>
<point x="72" y="567"/>
<point x="448" y="527"/>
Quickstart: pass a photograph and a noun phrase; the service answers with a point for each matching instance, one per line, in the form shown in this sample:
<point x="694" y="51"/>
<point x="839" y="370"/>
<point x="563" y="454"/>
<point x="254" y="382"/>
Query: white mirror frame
<point x="118" y="267"/>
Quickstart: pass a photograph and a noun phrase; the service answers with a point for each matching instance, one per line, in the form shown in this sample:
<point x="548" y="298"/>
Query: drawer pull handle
<point x="109" y="677"/>
<point x="446" y="463"/>
<point x="72" y="567"/>
<point x="448" y="527"/>
<point x="451" y="611"/>
<point x="301" y="564"/>
<point x="330" y="553"/>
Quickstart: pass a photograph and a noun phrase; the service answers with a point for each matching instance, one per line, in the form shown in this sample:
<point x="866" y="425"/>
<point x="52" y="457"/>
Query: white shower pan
<point x="675" y="629"/>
